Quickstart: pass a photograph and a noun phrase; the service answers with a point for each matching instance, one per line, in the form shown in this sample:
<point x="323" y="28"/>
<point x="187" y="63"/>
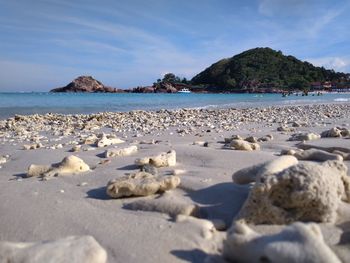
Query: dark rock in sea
<point x="148" y="89"/>
<point x="170" y="88"/>
<point x="86" y="84"/>
<point x="162" y="87"/>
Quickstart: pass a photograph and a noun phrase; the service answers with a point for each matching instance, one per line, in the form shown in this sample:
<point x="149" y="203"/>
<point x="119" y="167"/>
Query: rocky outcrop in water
<point x="86" y="84"/>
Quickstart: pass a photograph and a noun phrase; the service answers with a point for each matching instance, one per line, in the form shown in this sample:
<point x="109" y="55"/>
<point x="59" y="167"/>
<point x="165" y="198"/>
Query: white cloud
<point x="315" y="26"/>
<point x="336" y="63"/>
<point x="148" y="52"/>
<point x="130" y="43"/>
<point x="88" y="45"/>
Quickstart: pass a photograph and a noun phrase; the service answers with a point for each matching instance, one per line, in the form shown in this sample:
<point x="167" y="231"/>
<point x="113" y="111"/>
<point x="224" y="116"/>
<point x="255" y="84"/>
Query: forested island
<point x="256" y="70"/>
<point x="264" y="69"/>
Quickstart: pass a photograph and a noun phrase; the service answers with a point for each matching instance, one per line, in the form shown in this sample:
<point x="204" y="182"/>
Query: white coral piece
<point x="70" y="164"/>
<point x="72" y="249"/>
<point x="304" y="192"/>
<point x="299" y="242"/>
<point x="161" y="160"/>
<point x="141" y="184"/>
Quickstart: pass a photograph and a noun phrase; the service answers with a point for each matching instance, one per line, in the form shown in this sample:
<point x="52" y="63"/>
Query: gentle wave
<point x="341" y="99"/>
<point x="74" y="103"/>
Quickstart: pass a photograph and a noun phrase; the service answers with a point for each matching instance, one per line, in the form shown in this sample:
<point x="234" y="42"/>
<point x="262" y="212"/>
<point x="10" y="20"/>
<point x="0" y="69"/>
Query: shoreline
<point x="193" y="92"/>
<point x="174" y="117"/>
<point x="89" y="104"/>
<point x="34" y="209"/>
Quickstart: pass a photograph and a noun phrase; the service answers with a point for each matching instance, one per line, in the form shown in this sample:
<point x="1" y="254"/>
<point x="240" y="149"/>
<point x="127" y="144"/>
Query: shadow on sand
<point x="98" y="193"/>
<point x="194" y="255"/>
<point x="221" y="201"/>
<point x="101" y="155"/>
<point x="129" y="167"/>
<point x="21" y="175"/>
<point x="197" y="256"/>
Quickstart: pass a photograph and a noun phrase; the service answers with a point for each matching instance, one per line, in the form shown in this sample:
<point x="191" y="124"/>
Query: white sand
<point x="35" y="210"/>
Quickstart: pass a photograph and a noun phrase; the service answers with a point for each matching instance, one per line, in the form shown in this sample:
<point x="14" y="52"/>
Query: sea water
<point x="84" y="103"/>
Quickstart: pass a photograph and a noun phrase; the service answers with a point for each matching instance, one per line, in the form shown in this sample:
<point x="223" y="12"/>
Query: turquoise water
<point x="71" y="103"/>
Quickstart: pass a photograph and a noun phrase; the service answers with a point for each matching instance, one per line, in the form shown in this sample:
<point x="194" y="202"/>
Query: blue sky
<point x="124" y="43"/>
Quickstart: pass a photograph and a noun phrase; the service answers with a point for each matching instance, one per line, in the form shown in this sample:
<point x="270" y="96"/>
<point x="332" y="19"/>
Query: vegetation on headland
<point x="171" y="78"/>
<point x="264" y="69"/>
<point x="170" y="83"/>
<point x="255" y="70"/>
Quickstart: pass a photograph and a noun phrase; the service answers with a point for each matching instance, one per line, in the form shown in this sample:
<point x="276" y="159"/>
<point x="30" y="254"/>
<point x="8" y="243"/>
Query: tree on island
<point x="299" y="84"/>
<point x="170" y="78"/>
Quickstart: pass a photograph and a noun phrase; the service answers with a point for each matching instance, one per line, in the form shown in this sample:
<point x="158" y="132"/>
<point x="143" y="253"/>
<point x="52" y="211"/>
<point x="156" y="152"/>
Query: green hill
<point x="262" y="68"/>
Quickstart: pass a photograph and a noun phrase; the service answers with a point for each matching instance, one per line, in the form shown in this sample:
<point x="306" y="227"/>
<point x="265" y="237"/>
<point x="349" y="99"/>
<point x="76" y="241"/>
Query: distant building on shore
<point x="327" y="85"/>
<point x="343" y="86"/>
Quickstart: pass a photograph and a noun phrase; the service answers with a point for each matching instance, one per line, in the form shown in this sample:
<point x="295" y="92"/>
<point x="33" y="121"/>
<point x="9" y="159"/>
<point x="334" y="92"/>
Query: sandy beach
<point x="190" y="219"/>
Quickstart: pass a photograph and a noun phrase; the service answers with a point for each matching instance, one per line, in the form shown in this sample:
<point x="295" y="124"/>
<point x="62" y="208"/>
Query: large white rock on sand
<point x="107" y="141"/>
<point x="91" y="139"/>
<point x="304" y="192"/>
<point x="74" y="249"/>
<point x="70" y="164"/>
<point x="141" y="184"/>
<point x="299" y="242"/>
<point x="266" y="138"/>
<point x="285" y="129"/>
<point x="243" y="145"/>
<point x="249" y="174"/>
<point x="317" y="155"/>
<point x="119" y="152"/>
<point x="333" y="132"/>
<point x="233" y="137"/>
<point x="32" y="146"/>
<point x="165" y="159"/>
<point x="251" y="139"/>
<point x="304" y="137"/>
<point x="3" y="159"/>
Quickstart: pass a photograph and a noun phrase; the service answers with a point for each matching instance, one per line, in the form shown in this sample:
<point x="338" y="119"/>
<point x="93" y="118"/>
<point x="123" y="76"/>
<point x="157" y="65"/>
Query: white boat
<point x="184" y="90"/>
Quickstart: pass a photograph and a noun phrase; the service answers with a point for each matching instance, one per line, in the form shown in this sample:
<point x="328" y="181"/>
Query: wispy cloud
<point x="336" y="63"/>
<point x="133" y="42"/>
<point x="146" y="50"/>
<point x="315" y="26"/>
<point x="89" y="46"/>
